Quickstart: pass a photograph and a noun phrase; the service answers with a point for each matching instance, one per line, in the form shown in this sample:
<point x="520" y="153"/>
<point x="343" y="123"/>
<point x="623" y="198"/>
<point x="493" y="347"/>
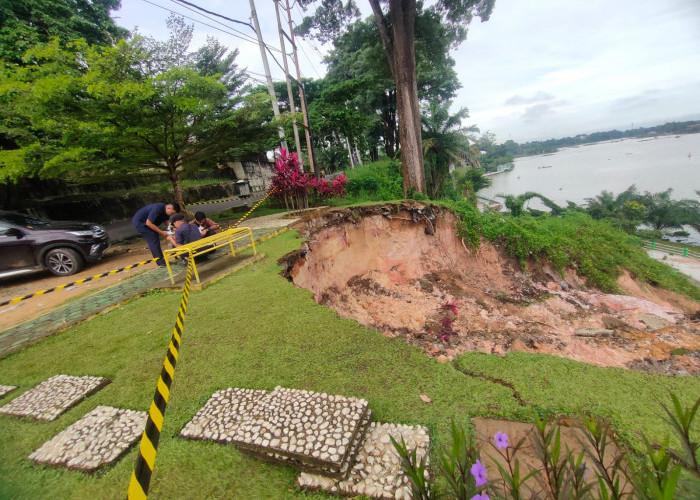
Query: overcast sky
<point x="537" y="69"/>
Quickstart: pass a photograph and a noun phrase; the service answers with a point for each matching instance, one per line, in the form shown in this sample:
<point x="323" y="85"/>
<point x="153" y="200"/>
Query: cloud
<point x="537" y="97"/>
<point x="643" y="99"/>
<point x="536" y="112"/>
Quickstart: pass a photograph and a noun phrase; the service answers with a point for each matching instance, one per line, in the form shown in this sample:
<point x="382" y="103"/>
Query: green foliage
<point x="137" y="105"/>
<point x="378" y="181"/>
<point x="445" y="143"/>
<point x="595" y="249"/>
<point x="455" y="463"/>
<point x="24" y="24"/>
<point x="416" y="470"/>
<point x="629" y="209"/>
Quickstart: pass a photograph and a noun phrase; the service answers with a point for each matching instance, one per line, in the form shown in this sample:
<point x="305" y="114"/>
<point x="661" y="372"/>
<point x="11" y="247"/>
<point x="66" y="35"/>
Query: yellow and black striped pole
<point x="272" y="189"/>
<point x="145" y="461"/>
<point x="78" y="282"/>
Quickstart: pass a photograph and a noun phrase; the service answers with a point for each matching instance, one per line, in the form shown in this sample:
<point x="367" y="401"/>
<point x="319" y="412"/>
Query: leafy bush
<point x="378" y="181"/>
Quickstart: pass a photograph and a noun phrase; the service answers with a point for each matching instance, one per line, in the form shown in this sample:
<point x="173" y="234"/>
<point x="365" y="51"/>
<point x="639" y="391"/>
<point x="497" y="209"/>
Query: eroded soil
<point x="402" y="269"/>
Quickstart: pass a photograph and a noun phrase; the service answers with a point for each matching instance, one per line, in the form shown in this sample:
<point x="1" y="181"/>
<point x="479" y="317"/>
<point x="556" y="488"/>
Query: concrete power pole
<point x="302" y="97"/>
<point x="270" y="86"/>
<point x="292" y="108"/>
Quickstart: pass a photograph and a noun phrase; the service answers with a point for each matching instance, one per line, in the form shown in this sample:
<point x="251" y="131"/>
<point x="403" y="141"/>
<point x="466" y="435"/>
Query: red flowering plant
<point x="290" y="182"/>
<point x="324" y="189"/>
<point x="448" y="320"/>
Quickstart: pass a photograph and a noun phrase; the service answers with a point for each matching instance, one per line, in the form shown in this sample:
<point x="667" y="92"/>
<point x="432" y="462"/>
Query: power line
<point x="208" y="25"/>
<point x="248" y="37"/>
<point x="215" y="14"/>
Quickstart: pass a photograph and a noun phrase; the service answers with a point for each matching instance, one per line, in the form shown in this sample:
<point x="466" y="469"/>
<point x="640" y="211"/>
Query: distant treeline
<point x="552" y="145"/>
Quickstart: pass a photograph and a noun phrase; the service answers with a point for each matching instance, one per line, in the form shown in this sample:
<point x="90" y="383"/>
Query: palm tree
<point x="445" y="142"/>
<point x="516" y="204"/>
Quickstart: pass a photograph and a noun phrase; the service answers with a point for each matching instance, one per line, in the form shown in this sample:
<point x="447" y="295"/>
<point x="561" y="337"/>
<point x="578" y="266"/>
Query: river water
<point x="573" y="174"/>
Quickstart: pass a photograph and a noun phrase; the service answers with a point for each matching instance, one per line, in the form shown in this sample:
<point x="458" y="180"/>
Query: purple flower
<point x="501" y="440"/>
<point x="479" y="473"/>
<point x="480" y="496"/>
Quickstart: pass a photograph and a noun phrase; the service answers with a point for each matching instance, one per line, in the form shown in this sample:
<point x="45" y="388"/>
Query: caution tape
<point x="145" y="461"/>
<point x="221" y="200"/>
<point x="254" y="207"/>
<point x="78" y="282"/>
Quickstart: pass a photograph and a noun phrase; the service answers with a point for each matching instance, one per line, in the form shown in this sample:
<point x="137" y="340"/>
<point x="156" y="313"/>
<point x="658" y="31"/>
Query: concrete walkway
<point x="686" y="265"/>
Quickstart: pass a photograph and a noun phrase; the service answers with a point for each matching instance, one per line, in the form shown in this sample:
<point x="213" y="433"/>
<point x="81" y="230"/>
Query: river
<point x="576" y="173"/>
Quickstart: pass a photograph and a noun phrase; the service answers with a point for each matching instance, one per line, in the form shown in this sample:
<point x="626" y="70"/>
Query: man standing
<point x="146" y="222"/>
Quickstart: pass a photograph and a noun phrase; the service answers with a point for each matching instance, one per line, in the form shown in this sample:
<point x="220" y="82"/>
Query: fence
<point x="672" y="250"/>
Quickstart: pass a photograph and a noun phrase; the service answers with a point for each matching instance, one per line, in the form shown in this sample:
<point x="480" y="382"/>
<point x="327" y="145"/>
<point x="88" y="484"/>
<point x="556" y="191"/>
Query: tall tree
<point x="397" y="31"/>
<point x="138" y="105"/>
<point x="27" y="23"/>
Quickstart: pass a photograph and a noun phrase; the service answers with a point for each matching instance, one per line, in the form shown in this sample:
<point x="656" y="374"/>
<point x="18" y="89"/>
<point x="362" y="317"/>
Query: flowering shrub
<point x="448" y="321"/>
<point x="292" y="185"/>
<point x="324" y="189"/>
<point x="562" y="473"/>
<point x="290" y="182"/>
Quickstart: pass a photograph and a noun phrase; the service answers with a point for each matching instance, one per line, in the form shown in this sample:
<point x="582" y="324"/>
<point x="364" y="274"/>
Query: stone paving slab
<point x="336" y="473"/>
<point x="6" y="389"/>
<point x="312" y="428"/>
<point x="53" y="396"/>
<point x="377" y="471"/>
<point x="94" y="441"/>
<point x="221" y="416"/>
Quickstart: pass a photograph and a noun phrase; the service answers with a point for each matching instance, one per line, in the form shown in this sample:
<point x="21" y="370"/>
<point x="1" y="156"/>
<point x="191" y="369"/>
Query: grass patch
<point x="255" y="329"/>
<point x="235" y="213"/>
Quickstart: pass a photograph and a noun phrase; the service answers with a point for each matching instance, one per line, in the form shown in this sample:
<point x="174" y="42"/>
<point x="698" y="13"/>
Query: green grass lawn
<point x="254" y="329"/>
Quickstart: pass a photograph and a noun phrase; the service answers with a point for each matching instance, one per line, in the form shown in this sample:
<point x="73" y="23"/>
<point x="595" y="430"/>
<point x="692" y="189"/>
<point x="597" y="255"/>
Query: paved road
<point x="122" y="229"/>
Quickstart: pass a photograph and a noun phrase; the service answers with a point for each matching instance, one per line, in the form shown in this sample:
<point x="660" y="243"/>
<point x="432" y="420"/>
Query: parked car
<point x="28" y="244"/>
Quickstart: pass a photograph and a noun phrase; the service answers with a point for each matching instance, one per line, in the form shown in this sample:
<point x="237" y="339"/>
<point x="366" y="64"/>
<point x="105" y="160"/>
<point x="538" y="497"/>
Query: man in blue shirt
<point x="186" y="233"/>
<point x="146" y="222"/>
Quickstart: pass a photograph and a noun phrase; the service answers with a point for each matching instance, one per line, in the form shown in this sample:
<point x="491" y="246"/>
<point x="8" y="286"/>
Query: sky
<point x="538" y="69"/>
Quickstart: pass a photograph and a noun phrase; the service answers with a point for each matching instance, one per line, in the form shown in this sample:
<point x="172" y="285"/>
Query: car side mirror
<point x="13" y="231"/>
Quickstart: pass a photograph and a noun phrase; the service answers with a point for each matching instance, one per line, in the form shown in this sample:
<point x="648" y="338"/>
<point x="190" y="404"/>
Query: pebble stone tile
<point x="377" y="470"/>
<point x="334" y="472"/>
<point x="6" y="389"/>
<point x="314" y="428"/>
<point x="53" y="396"/>
<point x="219" y="419"/>
<point x="97" y="439"/>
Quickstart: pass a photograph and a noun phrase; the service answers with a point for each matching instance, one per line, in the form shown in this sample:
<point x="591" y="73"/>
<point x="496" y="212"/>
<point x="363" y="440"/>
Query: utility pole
<point x="302" y="97"/>
<point x="270" y="86"/>
<point x="292" y="108"/>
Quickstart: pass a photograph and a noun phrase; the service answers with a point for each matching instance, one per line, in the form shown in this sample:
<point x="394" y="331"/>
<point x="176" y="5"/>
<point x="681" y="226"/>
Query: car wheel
<point x="63" y="261"/>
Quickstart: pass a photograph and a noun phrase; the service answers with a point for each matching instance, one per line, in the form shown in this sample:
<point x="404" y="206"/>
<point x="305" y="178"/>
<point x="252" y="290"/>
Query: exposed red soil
<point x="402" y="269"/>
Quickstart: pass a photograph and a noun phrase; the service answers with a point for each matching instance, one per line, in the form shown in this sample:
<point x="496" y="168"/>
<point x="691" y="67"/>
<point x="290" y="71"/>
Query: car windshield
<point x="23" y="220"/>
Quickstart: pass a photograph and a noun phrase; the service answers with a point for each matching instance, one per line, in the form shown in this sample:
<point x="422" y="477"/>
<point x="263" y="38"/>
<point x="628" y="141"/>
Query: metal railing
<point x="672" y="250"/>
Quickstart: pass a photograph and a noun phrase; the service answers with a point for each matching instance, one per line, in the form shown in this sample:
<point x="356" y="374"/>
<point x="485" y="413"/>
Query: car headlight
<point x="81" y="233"/>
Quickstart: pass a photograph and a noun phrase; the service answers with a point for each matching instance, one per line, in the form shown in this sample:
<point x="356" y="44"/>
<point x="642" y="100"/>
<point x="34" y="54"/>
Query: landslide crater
<point x="403" y="270"/>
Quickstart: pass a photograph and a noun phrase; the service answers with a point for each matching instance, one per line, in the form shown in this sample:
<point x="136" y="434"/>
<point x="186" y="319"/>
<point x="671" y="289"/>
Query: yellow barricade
<point x="206" y="245"/>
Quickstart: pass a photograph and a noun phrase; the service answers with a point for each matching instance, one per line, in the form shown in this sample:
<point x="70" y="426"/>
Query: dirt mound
<point x="402" y="269"/>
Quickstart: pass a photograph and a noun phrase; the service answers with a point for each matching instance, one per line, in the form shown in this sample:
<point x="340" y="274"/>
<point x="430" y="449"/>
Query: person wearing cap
<point x="146" y="221"/>
<point x="184" y="233"/>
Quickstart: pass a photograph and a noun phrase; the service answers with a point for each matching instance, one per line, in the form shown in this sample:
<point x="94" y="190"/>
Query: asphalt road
<point x="123" y="229"/>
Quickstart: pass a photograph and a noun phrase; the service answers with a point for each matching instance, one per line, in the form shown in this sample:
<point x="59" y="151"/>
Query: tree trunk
<point x="172" y="173"/>
<point x="401" y="54"/>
